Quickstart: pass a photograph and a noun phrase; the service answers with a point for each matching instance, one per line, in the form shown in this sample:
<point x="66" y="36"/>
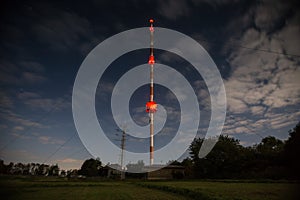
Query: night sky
<point x="255" y="45"/>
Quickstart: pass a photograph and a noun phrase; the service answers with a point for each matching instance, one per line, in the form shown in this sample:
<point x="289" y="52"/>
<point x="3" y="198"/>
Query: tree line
<point x="29" y="169"/>
<point x="272" y="158"/>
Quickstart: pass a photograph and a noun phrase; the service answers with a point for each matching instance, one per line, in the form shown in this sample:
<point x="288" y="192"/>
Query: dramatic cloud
<point x="21" y="74"/>
<point x="18" y="128"/>
<point x="268" y="14"/>
<point x="19" y="155"/>
<point x="30" y="77"/>
<point x="50" y="26"/>
<point x="24" y="95"/>
<point x="263" y="84"/>
<point x="32" y="66"/>
<point x="50" y="140"/>
<point x="20" y="121"/>
<point x="172" y="9"/>
<point x="64" y="31"/>
<point x="5" y="101"/>
<point x="47" y="104"/>
<point x="36" y="102"/>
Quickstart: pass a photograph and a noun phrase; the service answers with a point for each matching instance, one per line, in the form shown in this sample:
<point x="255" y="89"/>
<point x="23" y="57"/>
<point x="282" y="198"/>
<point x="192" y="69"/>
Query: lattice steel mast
<point x="151" y="105"/>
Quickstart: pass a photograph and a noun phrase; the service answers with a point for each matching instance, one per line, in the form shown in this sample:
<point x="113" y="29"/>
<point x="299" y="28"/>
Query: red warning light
<point x="151" y="107"/>
<point x="151" y="20"/>
<point x="151" y="60"/>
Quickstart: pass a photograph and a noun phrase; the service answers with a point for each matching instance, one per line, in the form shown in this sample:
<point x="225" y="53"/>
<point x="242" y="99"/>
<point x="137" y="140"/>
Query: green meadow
<point x="59" y="188"/>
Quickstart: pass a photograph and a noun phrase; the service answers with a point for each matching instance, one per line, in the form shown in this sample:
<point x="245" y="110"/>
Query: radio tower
<point x="151" y="105"/>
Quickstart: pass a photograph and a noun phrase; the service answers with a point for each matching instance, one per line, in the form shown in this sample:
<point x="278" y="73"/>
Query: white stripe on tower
<point x="151" y="82"/>
<point x="151" y="139"/>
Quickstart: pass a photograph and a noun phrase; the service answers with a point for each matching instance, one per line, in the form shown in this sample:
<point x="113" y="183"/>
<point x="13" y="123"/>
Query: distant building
<point x="155" y="172"/>
<point x="111" y="171"/>
<point x="168" y="172"/>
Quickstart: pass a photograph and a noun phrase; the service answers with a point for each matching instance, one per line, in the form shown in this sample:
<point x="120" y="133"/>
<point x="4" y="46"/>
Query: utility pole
<point x="122" y="155"/>
<point x="123" y="139"/>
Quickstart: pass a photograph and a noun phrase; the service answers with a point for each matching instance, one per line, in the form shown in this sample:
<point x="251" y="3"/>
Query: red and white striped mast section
<point x="151" y="106"/>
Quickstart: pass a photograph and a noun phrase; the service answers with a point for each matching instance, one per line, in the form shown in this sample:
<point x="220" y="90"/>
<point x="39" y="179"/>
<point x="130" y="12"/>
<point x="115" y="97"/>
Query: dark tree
<point x="269" y="158"/>
<point x="2" y="167"/>
<point x="9" y="168"/>
<point x="54" y="170"/>
<point x="90" y="167"/>
<point x="63" y="173"/>
<point x="270" y="147"/>
<point x="222" y="162"/>
<point x="292" y="152"/>
<point x="43" y="169"/>
<point x="188" y="167"/>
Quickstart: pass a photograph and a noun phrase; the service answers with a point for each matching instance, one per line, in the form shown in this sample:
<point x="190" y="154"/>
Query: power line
<point x="75" y="152"/>
<point x="52" y="154"/>
<point x="123" y="139"/>
<point x="37" y="121"/>
<point x="249" y="48"/>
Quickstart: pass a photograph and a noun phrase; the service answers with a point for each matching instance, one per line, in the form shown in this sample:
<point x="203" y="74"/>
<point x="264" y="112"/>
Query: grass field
<point x="49" y="188"/>
<point x="226" y="190"/>
<point x="58" y="188"/>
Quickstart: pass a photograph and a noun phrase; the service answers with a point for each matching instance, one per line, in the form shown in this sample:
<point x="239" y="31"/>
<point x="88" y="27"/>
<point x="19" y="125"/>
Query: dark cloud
<point x="62" y="32"/>
<point x="21" y="74"/>
<point x="173" y="9"/>
<point x="5" y="101"/>
<point x="47" y="104"/>
<point x="32" y="66"/>
<point x="270" y="15"/>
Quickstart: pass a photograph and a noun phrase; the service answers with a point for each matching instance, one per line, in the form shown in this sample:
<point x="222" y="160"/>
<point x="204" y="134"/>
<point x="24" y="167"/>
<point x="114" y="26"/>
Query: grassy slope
<point x="231" y="190"/>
